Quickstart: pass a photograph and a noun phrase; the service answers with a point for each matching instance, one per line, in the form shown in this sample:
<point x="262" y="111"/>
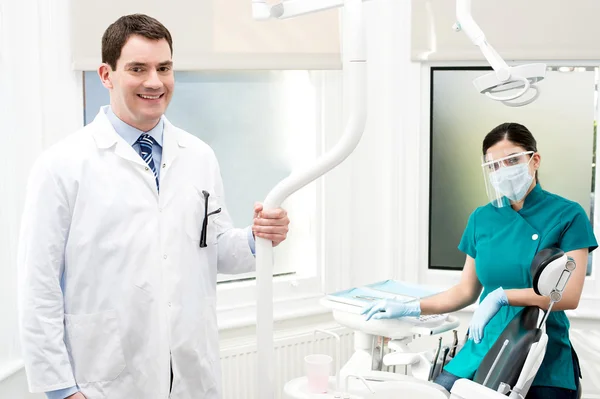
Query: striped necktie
<point x="146" y="141"/>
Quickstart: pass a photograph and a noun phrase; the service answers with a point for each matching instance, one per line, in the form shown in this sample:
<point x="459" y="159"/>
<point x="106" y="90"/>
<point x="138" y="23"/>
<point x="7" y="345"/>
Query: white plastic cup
<point x="318" y="370"/>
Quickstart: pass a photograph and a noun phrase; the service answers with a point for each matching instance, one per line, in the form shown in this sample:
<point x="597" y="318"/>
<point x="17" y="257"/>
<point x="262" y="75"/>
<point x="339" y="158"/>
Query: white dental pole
<point x="504" y="77"/>
<point x="355" y="66"/>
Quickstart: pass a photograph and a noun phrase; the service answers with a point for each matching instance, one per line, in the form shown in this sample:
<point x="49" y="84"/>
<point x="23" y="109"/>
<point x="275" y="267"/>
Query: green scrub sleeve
<point x="578" y="232"/>
<point x="467" y="242"/>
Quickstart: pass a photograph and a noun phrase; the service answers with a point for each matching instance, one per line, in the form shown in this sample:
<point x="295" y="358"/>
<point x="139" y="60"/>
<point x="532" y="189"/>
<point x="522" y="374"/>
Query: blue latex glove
<point x="390" y="309"/>
<point x="484" y="313"/>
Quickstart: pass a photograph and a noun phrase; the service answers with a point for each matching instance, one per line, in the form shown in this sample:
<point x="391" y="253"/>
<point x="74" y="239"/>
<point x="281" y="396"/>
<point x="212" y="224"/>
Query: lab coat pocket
<point x="94" y="345"/>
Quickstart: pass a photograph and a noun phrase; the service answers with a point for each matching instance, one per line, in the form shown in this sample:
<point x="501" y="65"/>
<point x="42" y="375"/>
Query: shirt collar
<point x="534" y="197"/>
<point x="129" y="133"/>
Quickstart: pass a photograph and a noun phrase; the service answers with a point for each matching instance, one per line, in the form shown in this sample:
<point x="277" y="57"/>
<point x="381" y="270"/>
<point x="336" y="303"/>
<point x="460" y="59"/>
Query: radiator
<point x="239" y="361"/>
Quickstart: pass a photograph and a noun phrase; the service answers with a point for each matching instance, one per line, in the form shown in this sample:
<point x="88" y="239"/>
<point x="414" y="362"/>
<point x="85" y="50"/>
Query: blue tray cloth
<point x="361" y="296"/>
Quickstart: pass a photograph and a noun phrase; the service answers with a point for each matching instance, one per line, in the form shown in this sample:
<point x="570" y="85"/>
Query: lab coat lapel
<point x="174" y="143"/>
<point x="106" y="137"/>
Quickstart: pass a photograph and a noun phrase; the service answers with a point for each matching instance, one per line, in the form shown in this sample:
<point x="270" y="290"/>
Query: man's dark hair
<point x="117" y="34"/>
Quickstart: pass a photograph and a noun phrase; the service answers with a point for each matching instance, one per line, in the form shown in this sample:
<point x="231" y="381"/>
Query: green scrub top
<point x="503" y="243"/>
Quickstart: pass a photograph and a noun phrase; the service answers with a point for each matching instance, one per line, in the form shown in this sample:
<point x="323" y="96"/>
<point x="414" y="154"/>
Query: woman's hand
<point x="390" y="309"/>
<point x="484" y="313"/>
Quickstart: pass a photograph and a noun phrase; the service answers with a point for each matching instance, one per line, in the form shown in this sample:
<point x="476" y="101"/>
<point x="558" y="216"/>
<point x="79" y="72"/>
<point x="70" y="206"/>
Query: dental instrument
<point x="454" y="343"/>
<point x="445" y="352"/>
<point x="435" y="359"/>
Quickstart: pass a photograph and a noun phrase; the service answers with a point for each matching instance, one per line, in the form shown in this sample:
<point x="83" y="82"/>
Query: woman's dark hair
<point x="513" y="132"/>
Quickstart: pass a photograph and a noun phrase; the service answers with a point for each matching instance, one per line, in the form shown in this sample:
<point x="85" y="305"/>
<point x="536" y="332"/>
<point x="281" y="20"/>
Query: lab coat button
<point x="535" y="237"/>
<point x="164" y="165"/>
<point x="164" y="256"/>
<point x="169" y="304"/>
<point x="147" y="168"/>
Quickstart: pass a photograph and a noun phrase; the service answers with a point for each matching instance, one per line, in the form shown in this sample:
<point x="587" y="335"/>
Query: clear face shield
<point x="507" y="177"/>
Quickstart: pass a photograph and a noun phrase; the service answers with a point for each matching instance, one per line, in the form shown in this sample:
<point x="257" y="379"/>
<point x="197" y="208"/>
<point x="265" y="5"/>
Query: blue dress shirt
<point x="130" y="134"/>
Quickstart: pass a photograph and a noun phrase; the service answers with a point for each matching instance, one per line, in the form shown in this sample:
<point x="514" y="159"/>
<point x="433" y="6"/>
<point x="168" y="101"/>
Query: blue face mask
<point x="512" y="181"/>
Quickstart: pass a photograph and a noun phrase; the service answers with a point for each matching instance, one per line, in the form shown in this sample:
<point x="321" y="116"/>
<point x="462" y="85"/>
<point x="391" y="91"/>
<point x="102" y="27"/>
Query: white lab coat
<point x="113" y="283"/>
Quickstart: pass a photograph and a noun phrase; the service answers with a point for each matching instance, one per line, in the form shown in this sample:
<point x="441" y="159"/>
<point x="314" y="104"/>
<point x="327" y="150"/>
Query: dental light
<point x="518" y="79"/>
<point x="355" y="67"/>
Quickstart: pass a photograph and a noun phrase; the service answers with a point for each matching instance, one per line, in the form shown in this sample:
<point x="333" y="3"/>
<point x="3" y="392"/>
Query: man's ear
<point x="104" y="72"/>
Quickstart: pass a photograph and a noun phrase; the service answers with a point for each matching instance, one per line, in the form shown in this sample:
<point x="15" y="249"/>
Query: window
<point x="261" y="125"/>
<point x="563" y="120"/>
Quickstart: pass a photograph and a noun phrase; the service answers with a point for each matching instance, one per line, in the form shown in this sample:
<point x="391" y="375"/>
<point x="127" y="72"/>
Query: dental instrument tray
<point x="347" y="305"/>
<point x="387" y="289"/>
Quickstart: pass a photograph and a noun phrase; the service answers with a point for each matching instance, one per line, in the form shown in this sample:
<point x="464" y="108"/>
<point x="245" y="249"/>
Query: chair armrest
<point x="467" y="389"/>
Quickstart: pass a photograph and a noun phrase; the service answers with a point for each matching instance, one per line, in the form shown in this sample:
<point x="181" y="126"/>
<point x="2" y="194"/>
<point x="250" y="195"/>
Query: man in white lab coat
<point x="123" y="234"/>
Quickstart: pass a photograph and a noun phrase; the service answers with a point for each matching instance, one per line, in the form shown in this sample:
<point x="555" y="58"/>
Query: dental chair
<point x="508" y="369"/>
<point x="511" y="365"/>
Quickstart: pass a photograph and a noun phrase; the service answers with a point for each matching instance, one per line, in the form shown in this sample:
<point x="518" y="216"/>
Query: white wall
<point x="530" y="36"/>
<point x="40" y="101"/>
<point x="375" y="176"/>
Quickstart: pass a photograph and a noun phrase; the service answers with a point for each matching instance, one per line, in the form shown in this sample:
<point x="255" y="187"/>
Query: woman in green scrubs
<point x="500" y="242"/>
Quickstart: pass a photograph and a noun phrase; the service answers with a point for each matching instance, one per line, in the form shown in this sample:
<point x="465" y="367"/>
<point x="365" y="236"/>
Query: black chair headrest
<point x="541" y="260"/>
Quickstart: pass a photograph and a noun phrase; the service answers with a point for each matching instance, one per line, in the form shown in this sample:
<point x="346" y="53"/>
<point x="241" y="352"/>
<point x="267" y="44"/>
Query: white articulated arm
<point x="291" y="8"/>
<point x="518" y="79"/>
<point x="355" y="67"/>
<point x="261" y="10"/>
<point x="467" y="24"/>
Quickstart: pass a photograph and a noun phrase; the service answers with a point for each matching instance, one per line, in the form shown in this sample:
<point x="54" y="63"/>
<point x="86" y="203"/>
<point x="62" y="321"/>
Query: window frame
<point x="298" y="294"/>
